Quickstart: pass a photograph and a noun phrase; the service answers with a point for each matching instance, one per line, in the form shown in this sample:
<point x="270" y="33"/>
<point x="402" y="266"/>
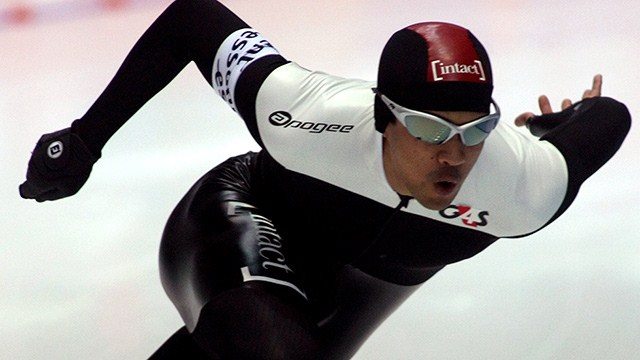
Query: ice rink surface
<point x="79" y="277"/>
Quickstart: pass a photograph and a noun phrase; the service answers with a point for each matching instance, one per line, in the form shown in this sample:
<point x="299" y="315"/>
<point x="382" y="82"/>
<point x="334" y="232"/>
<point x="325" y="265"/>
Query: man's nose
<point x="452" y="153"/>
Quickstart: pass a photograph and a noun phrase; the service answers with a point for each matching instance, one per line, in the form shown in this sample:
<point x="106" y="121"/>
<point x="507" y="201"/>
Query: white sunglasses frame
<point x="401" y="113"/>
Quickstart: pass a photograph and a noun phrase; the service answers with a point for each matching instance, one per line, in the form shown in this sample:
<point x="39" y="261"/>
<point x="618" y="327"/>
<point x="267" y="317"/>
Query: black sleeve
<point x="587" y="134"/>
<point x="188" y="30"/>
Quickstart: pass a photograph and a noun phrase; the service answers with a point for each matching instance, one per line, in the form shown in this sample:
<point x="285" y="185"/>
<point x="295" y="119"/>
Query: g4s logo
<point x="469" y="216"/>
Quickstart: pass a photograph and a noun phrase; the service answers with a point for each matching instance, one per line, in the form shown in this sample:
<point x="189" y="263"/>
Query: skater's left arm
<point x="587" y="133"/>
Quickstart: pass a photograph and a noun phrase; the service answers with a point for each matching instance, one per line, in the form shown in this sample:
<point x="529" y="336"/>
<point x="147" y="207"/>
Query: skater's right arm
<point x="188" y="30"/>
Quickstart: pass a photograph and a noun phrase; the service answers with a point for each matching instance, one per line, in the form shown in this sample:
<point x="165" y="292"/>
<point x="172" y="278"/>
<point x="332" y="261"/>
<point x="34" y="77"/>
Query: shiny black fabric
<point x="355" y="260"/>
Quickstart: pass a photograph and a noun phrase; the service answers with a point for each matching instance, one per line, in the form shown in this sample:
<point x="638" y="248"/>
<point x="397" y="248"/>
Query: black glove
<point x="542" y="124"/>
<point x="60" y="164"/>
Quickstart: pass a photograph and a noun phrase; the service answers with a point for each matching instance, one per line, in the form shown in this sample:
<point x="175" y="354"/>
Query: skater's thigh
<point x="218" y="239"/>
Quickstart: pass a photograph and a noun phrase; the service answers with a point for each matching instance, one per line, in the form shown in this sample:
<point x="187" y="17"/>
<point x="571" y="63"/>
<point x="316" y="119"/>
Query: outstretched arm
<point x="188" y="30"/>
<point x="587" y="133"/>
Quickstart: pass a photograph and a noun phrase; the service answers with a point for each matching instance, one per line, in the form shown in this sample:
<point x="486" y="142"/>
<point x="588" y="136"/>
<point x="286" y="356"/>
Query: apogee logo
<point x="279" y="118"/>
<point x="440" y="70"/>
<point x="469" y="216"/>
<point x="284" y="119"/>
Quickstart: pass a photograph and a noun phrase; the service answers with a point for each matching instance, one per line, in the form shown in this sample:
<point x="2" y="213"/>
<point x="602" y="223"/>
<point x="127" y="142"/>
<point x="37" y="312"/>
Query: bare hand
<point x="545" y="105"/>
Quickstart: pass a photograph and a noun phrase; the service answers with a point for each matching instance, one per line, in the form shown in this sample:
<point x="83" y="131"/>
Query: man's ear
<point x="383" y="116"/>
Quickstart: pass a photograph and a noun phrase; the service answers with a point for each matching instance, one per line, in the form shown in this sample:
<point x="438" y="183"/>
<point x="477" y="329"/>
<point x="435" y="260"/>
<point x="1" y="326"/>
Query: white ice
<point x="79" y="277"/>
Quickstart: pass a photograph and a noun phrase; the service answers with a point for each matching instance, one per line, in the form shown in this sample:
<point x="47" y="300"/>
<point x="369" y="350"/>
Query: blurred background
<point x="79" y="277"/>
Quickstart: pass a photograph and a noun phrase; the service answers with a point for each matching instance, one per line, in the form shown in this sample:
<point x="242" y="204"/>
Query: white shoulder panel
<point x="518" y="182"/>
<point x="322" y="126"/>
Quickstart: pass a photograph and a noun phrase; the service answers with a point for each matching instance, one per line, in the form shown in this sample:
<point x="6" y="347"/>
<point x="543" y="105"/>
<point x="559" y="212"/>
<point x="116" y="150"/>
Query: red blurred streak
<point x="20" y="14"/>
<point x="26" y="12"/>
<point x="112" y="5"/>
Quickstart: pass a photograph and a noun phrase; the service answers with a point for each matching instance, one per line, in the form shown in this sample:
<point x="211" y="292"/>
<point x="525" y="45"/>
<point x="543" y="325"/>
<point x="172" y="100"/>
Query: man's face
<point x="432" y="174"/>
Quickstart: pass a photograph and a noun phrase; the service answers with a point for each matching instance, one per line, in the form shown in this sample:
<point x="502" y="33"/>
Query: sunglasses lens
<point x="476" y="134"/>
<point x="426" y="129"/>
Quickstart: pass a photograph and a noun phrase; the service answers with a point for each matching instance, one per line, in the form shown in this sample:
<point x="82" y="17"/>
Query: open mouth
<point x="445" y="187"/>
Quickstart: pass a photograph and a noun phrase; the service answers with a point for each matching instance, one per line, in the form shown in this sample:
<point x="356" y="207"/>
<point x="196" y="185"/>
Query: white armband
<point x="238" y="50"/>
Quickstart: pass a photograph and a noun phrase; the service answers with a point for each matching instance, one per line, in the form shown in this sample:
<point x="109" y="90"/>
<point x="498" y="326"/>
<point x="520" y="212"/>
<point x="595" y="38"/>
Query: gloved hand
<point x="539" y="125"/>
<point x="60" y="164"/>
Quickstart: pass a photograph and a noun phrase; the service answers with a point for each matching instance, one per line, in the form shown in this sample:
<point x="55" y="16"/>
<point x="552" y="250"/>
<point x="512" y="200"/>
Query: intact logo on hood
<point x="468" y="215"/>
<point x="457" y="71"/>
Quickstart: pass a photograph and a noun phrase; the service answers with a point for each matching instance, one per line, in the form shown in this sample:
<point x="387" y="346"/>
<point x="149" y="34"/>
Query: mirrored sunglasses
<point x="434" y="129"/>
